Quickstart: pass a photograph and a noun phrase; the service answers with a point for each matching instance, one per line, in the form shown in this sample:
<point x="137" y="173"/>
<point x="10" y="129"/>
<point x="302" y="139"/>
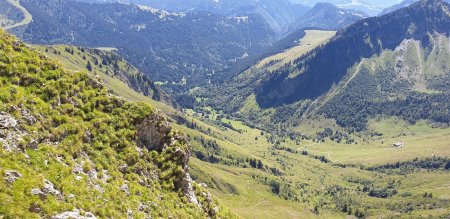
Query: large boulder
<point x="153" y="132"/>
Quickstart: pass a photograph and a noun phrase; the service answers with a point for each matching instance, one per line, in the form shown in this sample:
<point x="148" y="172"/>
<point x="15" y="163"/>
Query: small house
<point x="398" y="144"/>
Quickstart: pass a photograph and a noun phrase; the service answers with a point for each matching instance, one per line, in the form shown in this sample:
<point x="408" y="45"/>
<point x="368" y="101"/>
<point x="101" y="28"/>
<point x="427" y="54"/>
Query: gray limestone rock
<point x="12" y="175"/>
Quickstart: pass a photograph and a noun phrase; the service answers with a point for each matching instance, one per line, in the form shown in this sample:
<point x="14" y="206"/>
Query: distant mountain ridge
<point x="279" y="14"/>
<point x="328" y="16"/>
<point x="402" y="4"/>
<point x="371" y="7"/>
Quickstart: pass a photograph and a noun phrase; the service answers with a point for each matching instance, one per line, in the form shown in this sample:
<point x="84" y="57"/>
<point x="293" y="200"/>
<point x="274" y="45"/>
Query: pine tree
<point x="89" y="66"/>
<point x="260" y="164"/>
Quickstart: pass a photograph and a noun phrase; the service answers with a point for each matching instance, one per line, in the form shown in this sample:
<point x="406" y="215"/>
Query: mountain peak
<point x="427" y="2"/>
<point x="324" y="6"/>
<point x="431" y="4"/>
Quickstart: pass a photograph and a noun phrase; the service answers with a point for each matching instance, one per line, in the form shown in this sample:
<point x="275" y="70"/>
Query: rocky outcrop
<point x="47" y="189"/>
<point x="7" y="121"/>
<point x="185" y="182"/>
<point x="10" y="135"/>
<point x="26" y="116"/>
<point x="38" y="192"/>
<point x="12" y="175"/>
<point x="189" y="189"/>
<point x="155" y="133"/>
<point x="76" y="214"/>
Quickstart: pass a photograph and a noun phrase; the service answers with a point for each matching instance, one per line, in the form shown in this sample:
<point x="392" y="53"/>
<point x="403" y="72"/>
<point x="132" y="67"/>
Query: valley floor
<point x="307" y="183"/>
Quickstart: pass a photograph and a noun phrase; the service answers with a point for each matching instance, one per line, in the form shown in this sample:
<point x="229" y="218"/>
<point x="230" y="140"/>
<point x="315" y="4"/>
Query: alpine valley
<point x="224" y="109"/>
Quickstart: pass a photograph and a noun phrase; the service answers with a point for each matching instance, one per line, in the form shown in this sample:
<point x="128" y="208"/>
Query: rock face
<point x="26" y="115"/>
<point x="185" y="181"/>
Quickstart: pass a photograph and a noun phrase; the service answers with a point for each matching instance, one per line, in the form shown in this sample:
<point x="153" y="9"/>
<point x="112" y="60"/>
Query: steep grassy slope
<point x="109" y="66"/>
<point x="309" y="41"/>
<point x="69" y="147"/>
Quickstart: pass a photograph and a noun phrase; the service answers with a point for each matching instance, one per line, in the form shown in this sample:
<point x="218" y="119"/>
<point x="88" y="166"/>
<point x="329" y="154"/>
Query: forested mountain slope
<point x="385" y="45"/>
<point x="9" y="14"/>
<point x="279" y="14"/>
<point x="69" y="147"/>
<point x="410" y="82"/>
<point x="326" y="65"/>
<point x="238" y="93"/>
<point x="169" y="47"/>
